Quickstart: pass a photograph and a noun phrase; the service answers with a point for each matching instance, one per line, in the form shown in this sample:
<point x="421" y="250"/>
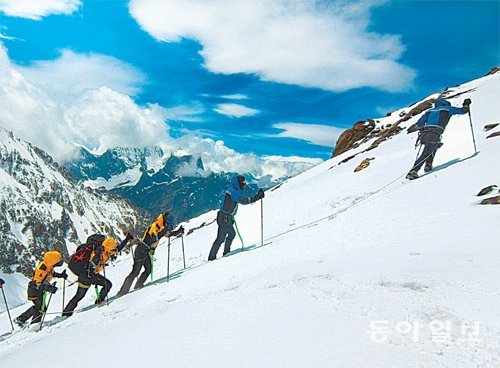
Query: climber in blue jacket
<point x="225" y="217"/>
<point x="430" y="126"/>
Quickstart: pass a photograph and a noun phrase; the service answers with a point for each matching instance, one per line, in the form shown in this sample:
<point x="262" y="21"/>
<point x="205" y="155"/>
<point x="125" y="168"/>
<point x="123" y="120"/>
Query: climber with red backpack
<point x="87" y="262"/>
<point x="40" y="285"/>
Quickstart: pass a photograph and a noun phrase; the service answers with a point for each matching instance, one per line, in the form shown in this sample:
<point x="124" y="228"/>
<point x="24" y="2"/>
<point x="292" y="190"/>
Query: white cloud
<point x="189" y="113"/>
<point x="99" y="118"/>
<point x="311" y="43"/>
<point x="217" y="158"/>
<point x="235" y="110"/>
<point x="235" y="96"/>
<point x="72" y="73"/>
<point x="36" y="9"/>
<point x="103" y="118"/>
<point x="322" y="135"/>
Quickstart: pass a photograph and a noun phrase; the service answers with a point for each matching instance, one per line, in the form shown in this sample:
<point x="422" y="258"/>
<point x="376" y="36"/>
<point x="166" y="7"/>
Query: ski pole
<point x="183" y="253"/>
<point x="262" y="221"/>
<point x="7" y="307"/>
<point x="168" y="261"/>
<point x="472" y="130"/>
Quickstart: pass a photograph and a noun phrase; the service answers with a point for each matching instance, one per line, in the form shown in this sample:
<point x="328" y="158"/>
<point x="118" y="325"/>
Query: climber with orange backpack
<point x="40" y="285"/>
<point x="162" y="227"/>
<point x="87" y="262"/>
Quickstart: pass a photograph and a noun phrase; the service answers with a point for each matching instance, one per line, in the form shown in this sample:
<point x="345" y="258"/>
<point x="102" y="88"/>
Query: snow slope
<point x="345" y="252"/>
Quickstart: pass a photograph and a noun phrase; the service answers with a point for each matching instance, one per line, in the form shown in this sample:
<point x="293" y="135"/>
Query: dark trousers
<point x="84" y="283"/>
<point x="225" y="233"/>
<point x="141" y="259"/>
<point x="35" y="294"/>
<point x="34" y="311"/>
<point x="430" y="140"/>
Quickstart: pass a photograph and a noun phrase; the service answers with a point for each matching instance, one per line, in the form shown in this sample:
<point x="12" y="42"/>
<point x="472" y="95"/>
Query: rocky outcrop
<point x="492" y="135"/>
<point x="488" y="127"/>
<point x="487" y="190"/>
<point x="491" y="200"/>
<point x="364" y="164"/>
<point x="494" y="70"/>
<point x="351" y="138"/>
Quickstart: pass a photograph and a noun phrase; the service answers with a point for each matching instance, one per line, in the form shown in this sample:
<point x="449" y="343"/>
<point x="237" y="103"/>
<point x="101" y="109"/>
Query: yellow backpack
<point x="45" y="269"/>
<point x="155" y="228"/>
<point x="109" y="246"/>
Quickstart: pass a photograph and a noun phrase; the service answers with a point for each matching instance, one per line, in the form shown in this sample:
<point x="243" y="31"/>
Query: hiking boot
<point x="412" y="175"/>
<point x="428" y="167"/>
<point x="18" y="322"/>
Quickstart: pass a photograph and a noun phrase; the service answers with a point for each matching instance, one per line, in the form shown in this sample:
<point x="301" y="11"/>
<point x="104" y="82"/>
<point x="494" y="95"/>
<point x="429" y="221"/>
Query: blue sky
<point x="257" y="91"/>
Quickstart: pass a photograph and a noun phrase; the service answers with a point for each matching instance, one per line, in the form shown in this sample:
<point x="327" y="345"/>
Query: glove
<point x="50" y="288"/>
<point x="467" y="102"/>
<point x="181" y="230"/>
<point x="152" y="251"/>
<point x="1" y="283"/>
<point x="260" y="194"/>
<point x="63" y="275"/>
<point x="129" y="237"/>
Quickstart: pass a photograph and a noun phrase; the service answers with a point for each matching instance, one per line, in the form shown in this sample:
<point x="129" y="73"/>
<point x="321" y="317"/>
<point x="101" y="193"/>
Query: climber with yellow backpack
<point x="87" y="262"/>
<point x="40" y="285"/>
<point x="162" y="227"/>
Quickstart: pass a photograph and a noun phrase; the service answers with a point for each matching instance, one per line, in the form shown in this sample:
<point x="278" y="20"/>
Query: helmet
<point x="53" y="258"/>
<point x="109" y="244"/>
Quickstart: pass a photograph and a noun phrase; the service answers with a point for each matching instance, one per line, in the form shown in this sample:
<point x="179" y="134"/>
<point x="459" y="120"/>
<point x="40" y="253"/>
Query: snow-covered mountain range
<point x="156" y="181"/>
<point x="44" y="207"/>
<point x="359" y="268"/>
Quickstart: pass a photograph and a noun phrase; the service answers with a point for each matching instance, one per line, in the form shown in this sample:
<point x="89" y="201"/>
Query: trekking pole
<point x="45" y="312"/>
<point x="7" y="307"/>
<point x="183" y="253"/>
<point x="106" y="284"/>
<point x="238" y="232"/>
<point x="168" y="261"/>
<point x="262" y="222"/>
<point x="472" y="130"/>
<point x="64" y="292"/>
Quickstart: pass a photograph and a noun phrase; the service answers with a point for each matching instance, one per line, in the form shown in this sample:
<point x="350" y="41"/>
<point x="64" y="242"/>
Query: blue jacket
<point x="438" y="117"/>
<point x="232" y="196"/>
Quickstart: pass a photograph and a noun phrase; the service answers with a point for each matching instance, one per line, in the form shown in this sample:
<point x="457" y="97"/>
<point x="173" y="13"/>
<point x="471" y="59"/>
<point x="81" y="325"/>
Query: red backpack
<point x="81" y="258"/>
